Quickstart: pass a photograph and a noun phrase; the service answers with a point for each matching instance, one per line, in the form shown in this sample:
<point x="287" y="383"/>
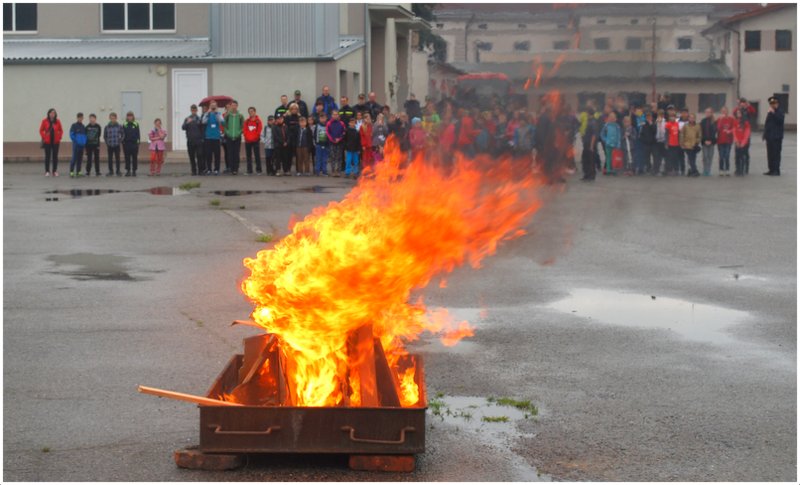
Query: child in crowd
<point x="380" y="130"/>
<point x="674" y="152"/>
<point x="266" y="139"/>
<point x="77" y="133"/>
<point x="113" y="134"/>
<point x="321" y="144"/>
<point x="611" y="134"/>
<point x="725" y="125"/>
<point x="366" y="141"/>
<point x="690" y="142"/>
<point x="628" y="136"/>
<point x="50" y="131"/>
<point x="336" y="130"/>
<point x="305" y="143"/>
<point x="359" y="120"/>
<point x="352" y="145"/>
<point x="157" y="147"/>
<point x="741" y="138"/>
<point x="660" y="146"/>
<point x="131" y="136"/>
<point x="93" y="132"/>
<point x="416" y="136"/>
<point x="252" y="131"/>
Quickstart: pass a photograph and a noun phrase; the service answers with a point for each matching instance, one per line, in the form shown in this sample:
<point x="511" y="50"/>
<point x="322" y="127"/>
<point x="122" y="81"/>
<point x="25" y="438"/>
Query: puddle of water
<point x="492" y="424"/>
<point x="103" y="267"/>
<point x="76" y="193"/>
<point x="694" y="321"/>
<point x="316" y="189"/>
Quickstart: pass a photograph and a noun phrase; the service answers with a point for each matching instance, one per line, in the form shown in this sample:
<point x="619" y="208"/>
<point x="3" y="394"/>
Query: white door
<point x="189" y="86"/>
<point x="131" y="101"/>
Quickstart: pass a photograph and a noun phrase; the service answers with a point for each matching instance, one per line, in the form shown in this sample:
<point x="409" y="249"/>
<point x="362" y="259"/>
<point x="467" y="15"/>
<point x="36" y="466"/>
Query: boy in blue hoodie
<point x="611" y="134"/>
<point x="77" y="133"/>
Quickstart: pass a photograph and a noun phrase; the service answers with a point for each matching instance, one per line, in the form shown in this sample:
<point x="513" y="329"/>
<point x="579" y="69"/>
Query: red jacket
<point x="44" y="132"/>
<point x="741" y="134"/>
<point x="252" y="129"/>
<point x="467" y="132"/>
<point x="673" y="133"/>
<point x="366" y="136"/>
<point x="725" y="130"/>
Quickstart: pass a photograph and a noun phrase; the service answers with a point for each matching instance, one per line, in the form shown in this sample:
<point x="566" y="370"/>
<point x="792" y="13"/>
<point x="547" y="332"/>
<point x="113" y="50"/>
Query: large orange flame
<point x="356" y="263"/>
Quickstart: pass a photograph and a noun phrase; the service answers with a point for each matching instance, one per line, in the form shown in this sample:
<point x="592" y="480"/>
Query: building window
<point x="439" y="26"/>
<point x="524" y="45"/>
<point x="483" y="26"/>
<point x="634" y="21"/>
<point x="783" y="101"/>
<point x="752" y="40"/>
<point x="602" y="44"/>
<point x="684" y="43"/>
<point x="19" y="17"/>
<point x="633" y="44"/>
<point x="715" y="101"/>
<point x="636" y="98"/>
<point x="678" y="100"/>
<point x="483" y="46"/>
<point x="561" y="45"/>
<point x="601" y="21"/>
<point x="138" y="17"/>
<point x="785" y="88"/>
<point x="783" y="40"/>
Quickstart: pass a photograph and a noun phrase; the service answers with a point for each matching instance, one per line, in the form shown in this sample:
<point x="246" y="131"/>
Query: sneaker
<point x="216" y="172"/>
<point x="72" y="174"/>
<point x="234" y="173"/>
<point x="55" y="174"/>
<point x="47" y="174"/>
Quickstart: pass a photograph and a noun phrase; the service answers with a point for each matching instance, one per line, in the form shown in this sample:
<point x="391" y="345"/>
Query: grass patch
<point x="46" y="449"/>
<point x="495" y="419"/>
<point x="241" y="207"/>
<point x="437" y="406"/>
<point x="522" y="405"/>
<point x="215" y="202"/>
<point x="264" y="238"/>
<point x="189" y="185"/>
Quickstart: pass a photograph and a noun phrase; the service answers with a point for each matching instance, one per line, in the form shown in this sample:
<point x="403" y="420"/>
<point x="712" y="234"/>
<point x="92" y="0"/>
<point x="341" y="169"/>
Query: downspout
<point x="466" y="33"/>
<point x="367" y="51"/>
<point x="738" y="61"/>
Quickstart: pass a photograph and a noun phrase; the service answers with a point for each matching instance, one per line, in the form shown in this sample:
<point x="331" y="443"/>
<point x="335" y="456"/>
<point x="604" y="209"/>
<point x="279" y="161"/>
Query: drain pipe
<point x="738" y="61"/>
<point x="367" y="50"/>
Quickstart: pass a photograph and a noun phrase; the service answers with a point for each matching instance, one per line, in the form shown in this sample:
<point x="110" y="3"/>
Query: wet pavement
<point x="650" y="322"/>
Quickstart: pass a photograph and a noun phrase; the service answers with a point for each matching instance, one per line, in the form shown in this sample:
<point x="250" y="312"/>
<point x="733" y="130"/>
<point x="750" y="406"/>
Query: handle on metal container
<point x="218" y="430"/>
<point x="402" y="439"/>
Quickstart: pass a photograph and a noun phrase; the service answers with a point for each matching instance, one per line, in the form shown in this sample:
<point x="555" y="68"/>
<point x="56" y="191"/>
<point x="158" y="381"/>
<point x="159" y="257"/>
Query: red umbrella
<point x="222" y="101"/>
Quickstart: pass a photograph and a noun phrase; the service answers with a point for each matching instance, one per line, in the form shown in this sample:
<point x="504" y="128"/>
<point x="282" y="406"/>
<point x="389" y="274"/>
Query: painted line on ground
<point x="245" y="222"/>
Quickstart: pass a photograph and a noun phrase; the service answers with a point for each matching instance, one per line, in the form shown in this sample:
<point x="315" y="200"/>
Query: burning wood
<point x="185" y="397"/>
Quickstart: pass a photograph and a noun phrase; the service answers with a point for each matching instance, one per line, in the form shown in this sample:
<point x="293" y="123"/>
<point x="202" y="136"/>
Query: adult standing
<point x="361" y="106"/>
<point x="708" y="138"/>
<point x="194" y="141"/>
<point x="212" y="123"/>
<point x="589" y="139"/>
<point x="412" y="107"/>
<point x="373" y="106"/>
<point x="328" y="103"/>
<point x="301" y="105"/>
<point x="51" y="131"/>
<point x="234" y="125"/>
<point x="773" y="135"/>
<point x="252" y="131"/>
<point x="284" y="106"/>
<point x="724" y="140"/>
<point x="280" y="140"/>
<point x="346" y="111"/>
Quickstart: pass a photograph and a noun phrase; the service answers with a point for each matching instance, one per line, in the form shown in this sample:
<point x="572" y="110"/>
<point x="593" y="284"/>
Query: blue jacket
<point x="212" y="125"/>
<point x="77" y="133"/>
<point x="611" y="135"/>
<point x="328" y="104"/>
<point x="773" y="126"/>
<point x="335" y="130"/>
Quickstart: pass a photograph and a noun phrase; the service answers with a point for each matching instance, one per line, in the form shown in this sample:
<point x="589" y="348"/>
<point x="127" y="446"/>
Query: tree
<point x="428" y="39"/>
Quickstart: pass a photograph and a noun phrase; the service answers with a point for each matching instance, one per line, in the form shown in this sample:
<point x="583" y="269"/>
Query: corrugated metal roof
<point x="585" y="70"/>
<point x="44" y="50"/>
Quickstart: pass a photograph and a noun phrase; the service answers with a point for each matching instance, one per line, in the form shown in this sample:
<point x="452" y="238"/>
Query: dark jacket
<point x="374" y="109"/>
<point x="304" y="138"/>
<point x="77" y="133"/>
<point x="130" y="133"/>
<point x="335" y="130"/>
<point x="773" y="126"/>
<point x="281" y="110"/>
<point x="302" y="107"/>
<point x="345" y="113"/>
<point x="193" y="129"/>
<point x="328" y="104"/>
<point x="352" y="140"/>
<point x="280" y="136"/>
<point x="413" y="108"/>
<point x="93" y="132"/>
<point x="647" y="134"/>
<point x="708" y="131"/>
<point x="292" y="123"/>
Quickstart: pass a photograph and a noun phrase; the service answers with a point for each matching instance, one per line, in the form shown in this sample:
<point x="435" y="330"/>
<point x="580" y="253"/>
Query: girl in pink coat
<point x="157" y="147"/>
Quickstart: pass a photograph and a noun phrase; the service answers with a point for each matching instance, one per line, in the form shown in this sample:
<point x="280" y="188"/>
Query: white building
<point x="156" y="59"/>
<point x="760" y="47"/>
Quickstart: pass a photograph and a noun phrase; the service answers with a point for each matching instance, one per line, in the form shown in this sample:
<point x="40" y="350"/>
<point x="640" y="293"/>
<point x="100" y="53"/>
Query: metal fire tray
<point x="290" y="429"/>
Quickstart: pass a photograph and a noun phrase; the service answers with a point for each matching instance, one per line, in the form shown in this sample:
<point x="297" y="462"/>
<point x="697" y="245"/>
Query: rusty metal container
<point x="380" y="430"/>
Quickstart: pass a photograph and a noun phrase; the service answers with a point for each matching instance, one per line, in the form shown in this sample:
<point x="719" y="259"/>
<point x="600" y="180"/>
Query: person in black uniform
<point x="773" y="135"/>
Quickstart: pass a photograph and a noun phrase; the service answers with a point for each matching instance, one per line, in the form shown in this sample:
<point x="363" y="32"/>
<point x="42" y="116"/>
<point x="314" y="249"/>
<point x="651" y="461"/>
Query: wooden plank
<point x="387" y="383"/>
<point x="179" y="396"/>
<point x="254" y="348"/>
<point x="362" y="363"/>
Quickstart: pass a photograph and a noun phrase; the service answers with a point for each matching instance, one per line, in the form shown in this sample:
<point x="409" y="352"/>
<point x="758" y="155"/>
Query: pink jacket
<point x="157" y="138"/>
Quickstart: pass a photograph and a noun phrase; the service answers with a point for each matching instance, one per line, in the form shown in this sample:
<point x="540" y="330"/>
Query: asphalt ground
<point x="674" y="359"/>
